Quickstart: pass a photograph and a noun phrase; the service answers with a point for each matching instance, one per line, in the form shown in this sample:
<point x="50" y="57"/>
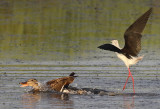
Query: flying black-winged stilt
<point x="129" y="53"/>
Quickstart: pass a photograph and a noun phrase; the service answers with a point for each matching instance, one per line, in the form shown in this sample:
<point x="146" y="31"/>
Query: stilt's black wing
<point x="110" y="47"/>
<point x="133" y="35"/>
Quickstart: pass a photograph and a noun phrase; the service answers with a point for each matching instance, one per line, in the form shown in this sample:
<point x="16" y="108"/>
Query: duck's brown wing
<point x="133" y="35"/>
<point x="59" y="83"/>
<point x="70" y="79"/>
<point x="56" y="84"/>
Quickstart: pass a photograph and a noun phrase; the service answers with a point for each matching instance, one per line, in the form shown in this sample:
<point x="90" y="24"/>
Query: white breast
<point x="127" y="61"/>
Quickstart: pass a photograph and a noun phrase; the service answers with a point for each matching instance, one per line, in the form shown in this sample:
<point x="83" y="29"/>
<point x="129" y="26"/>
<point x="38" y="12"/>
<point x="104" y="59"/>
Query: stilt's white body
<point x="127" y="61"/>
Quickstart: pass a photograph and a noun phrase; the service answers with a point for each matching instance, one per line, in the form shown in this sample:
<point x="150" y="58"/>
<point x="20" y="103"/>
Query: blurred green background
<point x="70" y="30"/>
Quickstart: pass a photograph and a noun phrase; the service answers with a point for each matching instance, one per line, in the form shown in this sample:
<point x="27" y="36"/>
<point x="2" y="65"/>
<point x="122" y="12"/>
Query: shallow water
<point x="109" y="78"/>
<point x="52" y="38"/>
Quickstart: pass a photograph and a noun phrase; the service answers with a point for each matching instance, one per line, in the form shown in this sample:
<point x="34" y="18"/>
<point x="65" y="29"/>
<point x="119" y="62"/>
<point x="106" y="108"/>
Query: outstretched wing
<point x="133" y="35"/>
<point x="58" y="84"/>
<point x="110" y="47"/>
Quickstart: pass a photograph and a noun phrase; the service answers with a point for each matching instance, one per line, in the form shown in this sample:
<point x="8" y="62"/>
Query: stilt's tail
<point x="134" y="60"/>
<point x="138" y="59"/>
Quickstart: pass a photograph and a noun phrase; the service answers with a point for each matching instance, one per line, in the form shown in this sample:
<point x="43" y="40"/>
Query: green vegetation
<point x="67" y="30"/>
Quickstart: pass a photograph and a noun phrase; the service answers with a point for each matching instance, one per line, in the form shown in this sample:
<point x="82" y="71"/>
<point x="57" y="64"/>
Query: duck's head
<point x="30" y="82"/>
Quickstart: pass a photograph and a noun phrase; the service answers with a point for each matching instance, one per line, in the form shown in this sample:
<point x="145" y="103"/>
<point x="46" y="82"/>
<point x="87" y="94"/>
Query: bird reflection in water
<point x="33" y="100"/>
<point x="128" y="102"/>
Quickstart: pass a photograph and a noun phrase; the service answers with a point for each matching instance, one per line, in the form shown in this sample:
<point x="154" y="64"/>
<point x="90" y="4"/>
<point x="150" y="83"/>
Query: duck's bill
<point x="23" y="84"/>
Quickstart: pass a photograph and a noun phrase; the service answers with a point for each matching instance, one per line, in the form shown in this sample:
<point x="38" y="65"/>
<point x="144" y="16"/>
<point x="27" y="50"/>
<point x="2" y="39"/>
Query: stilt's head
<point x="115" y="43"/>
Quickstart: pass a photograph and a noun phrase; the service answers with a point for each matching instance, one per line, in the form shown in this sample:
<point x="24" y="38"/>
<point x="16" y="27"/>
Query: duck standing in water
<point x="132" y="36"/>
<point x="55" y="84"/>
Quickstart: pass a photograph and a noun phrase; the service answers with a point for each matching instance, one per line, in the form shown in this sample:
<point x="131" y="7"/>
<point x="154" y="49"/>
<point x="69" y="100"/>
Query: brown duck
<point x="55" y="84"/>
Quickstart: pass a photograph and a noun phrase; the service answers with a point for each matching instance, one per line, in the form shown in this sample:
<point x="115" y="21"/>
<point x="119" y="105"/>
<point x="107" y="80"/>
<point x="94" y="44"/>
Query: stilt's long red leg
<point x="132" y="80"/>
<point x="126" y="81"/>
<point x="129" y="75"/>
